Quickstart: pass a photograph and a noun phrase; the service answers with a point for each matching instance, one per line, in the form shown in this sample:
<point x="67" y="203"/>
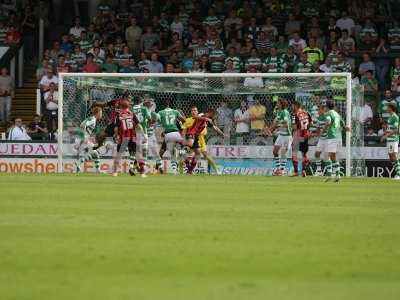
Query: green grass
<point x="198" y="238"/>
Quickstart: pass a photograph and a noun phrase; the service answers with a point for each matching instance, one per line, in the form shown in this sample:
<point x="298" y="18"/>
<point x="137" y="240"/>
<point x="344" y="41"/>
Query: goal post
<point x="78" y="91"/>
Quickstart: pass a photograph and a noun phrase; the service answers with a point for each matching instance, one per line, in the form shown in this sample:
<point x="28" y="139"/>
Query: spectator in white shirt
<point x="77" y="29"/>
<point x="297" y="43"/>
<point x="253" y="81"/>
<point x="346" y="23"/>
<point x="177" y="26"/>
<point x="51" y="100"/>
<point x="18" y="132"/>
<point x="47" y="80"/>
<point x="366" y="114"/>
<point x="242" y="120"/>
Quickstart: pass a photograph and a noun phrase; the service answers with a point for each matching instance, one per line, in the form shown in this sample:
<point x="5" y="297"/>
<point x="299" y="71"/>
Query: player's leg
<point x="317" y="158"/>
<point x="295" y="159"/>
<point x="305" y="161"/>
<point x="171" y="139"/>
<point x="393" y="149"/>
<point x="154" y="152"/>
<point x="332" y="167"/>
<point x="121" y="147"/>
<point x="139" y="161"/>
<point x="277" y="161"/>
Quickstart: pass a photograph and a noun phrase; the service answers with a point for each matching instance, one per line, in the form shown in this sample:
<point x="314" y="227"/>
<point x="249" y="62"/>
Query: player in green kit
<point x="322" y="140"/>
<point x="283" y="144"/>
<point x="89" y="141"/>
<point x="153" y="146"/>
<point x="392" y="138"/>
<point x="168" y="119"/>
<point x="142" y="113"/>
<point x="333" y="134"/>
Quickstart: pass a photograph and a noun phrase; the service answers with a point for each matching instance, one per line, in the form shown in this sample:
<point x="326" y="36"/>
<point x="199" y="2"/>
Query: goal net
<point x="243" y="104"/>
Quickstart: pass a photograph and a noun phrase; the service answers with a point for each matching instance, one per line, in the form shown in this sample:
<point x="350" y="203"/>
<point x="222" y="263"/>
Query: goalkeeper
<point x="89" y="141"/>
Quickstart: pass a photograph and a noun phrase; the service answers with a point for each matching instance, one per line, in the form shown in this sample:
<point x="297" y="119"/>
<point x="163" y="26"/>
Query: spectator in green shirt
<point x="314" y="54"/>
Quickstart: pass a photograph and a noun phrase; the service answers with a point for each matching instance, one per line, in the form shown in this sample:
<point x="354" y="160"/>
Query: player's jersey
<point x="283" y="117"/>
<point x="321" y="123"/>
<point x="334" y="129"/>
<point x="169" y="119"/>
<point x="302" y="120"/>
<point x="126" y="122"/>
<point x="153" y="123"/>
<point x="393" y="127"/>
<point x="189" y="122"/>
<point x="88" y="127"/>
<point x="143" y="115"/>
<point x="198" y="127"/>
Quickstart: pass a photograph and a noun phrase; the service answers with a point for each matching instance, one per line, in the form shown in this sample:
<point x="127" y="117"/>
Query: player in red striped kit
<point x="301" y="133"/>
<point x="125" y="126"/>
<point x="115" y="109"/>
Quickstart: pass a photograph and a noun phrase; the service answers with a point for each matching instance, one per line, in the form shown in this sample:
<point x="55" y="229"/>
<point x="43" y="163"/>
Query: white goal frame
<point x="62" y="76"/>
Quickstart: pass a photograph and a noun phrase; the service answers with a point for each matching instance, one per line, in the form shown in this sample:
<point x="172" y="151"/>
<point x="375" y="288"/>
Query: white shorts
<point x="321" y="146"/>
<point x="152" y="141"/>
<point x="285" y="142"/>
<point x="173" y="137"/>
<point x="392" y="147"/>
<point x="332" y="145"/>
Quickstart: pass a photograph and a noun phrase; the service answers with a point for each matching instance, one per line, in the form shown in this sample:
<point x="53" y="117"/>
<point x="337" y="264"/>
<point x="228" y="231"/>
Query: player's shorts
<point x="300" y="144"/>
<point x="285" y="142"/>
<point x="332" y="146"/>
<point x="321" y="145"/>
<point x="202" y="143"/>
<point x="152" y="141"/>
<point x="392" y="147"/>
<point x="173" y="137"/>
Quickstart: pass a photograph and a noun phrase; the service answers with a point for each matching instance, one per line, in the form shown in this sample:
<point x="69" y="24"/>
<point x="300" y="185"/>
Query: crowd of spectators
<point x="232" y="36"/>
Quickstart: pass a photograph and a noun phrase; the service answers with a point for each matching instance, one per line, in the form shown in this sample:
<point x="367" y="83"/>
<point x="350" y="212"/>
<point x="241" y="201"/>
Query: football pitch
<point x="196" y="238"/>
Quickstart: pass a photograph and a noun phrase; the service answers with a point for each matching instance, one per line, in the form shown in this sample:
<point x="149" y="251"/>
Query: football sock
<point x="296" y="166"/>
<point x="335" y="168"/>
<point x="318" y="163"/>
<point x="212" y="164"/>
<point x="328" y="168"/>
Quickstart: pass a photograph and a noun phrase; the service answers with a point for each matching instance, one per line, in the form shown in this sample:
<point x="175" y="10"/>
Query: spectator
<point x="303" y="66"/>
<point x="109" y="66"/>
<point x="382" y="63"/>
<point x="128" y="66"/>
<point x="6" y="94"/>
<point x="262" y="43"/>
<point x="133" y="35"/>
<point x="91" y="66"/>
<point x="66" y="45"/>
<point x="242" y="120"/>
<point x="371" y="132"/>
<point x="84" y="43"/>
<point x="41" y="70"/>
<point x="370" y="87"/>
<point x="274" y="63"/>
<point x="47" y="80"/>
<point x="234" y="58"/>
<point x="314" y="54"/>
<point x="155" y="66"/>
<point x="62" y="67"/>
<point x="18" y="132"/>
<point x="149" y="39"/>
<point x="252" y="30"/>
<point x="257" y="113"/>
<point x="395" y="76"/>
<point x="217" y="59"/>
<point x="76" y="30"/>
<point x="37" y="129"/>
<point x="201" y="49"/>
<point x="13" y="36"/>
<point x="253" y="82"/>
<point x="292" y="26"/>
<point x="187" y="62"/>
<point x="270" y="30"/>
<point x="3" y="31"/>
<point x="51" y="100"/>
<point x="366" y="115"/>
<point x="224" y="120"/>
<point x="144" y="62"/>
<point x="177" y="26"/>
<point x="346" y="23"/>
<point x="394" y="38"/>
<point x="297" y="43"/>
<point x="78" y="57"/>
<point x="366" y="65"/>
<point x="233" y="23"/>
<point x="254" y="61"/>
<point x="346" y="43"/>
<point x="290" y="58"/>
